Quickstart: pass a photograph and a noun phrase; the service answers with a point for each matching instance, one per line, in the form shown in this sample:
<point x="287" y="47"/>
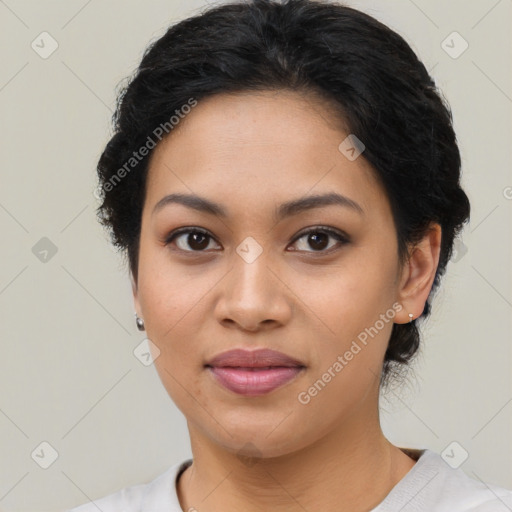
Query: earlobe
<point x="419" y="274"/>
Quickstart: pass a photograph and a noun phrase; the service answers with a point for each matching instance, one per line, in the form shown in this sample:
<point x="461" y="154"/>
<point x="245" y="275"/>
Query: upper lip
<point x="259" y="358"/>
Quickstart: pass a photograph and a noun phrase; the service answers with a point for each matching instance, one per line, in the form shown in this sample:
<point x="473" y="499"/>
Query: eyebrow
<point x="287" y="209"/>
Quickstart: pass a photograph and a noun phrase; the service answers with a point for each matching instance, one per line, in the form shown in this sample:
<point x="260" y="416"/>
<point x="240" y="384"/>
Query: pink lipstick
<point x="255" y="372"/>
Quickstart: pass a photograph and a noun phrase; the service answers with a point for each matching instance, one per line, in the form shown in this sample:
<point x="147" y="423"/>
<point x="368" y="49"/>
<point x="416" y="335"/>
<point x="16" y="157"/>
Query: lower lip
<point x="254" y="382"/>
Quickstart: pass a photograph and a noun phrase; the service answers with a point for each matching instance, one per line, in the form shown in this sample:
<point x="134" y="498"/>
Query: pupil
<point x="192" y="241"/>
<point x="314" y="237"/>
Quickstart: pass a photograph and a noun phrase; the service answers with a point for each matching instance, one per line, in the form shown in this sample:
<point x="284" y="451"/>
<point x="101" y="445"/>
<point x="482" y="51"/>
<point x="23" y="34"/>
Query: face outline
<point x="251" y="152"/>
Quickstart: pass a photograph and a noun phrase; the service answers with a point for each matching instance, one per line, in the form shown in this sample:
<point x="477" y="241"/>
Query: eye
<point x="197" y="239"/>
<point x="317" y="238"/>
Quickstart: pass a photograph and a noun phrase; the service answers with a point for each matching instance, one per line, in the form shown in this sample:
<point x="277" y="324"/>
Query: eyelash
<point x="339" y="236"/>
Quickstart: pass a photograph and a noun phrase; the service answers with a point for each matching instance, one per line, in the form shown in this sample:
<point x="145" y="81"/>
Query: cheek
<point x="170" y="306"/>
<point x="170" y="293"/>
<point x="351" y="295"/>
<point x="355" y="318"/>
<point x="348" y="362"/>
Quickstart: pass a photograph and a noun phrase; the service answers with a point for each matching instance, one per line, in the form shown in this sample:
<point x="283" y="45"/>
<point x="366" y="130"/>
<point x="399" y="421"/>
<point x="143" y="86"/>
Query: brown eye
<point x="318" y="239"/>
<point x="196" y="240"/>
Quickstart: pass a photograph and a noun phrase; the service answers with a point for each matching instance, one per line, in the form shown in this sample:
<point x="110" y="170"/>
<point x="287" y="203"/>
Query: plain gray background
<point x="68" y="374"/>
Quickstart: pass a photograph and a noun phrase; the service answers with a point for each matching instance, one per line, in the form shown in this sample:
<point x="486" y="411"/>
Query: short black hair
<point x="365" y="69"/>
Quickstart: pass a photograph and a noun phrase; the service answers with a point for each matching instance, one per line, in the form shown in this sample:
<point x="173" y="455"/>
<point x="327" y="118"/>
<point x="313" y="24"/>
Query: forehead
<point x="248" y="147"/>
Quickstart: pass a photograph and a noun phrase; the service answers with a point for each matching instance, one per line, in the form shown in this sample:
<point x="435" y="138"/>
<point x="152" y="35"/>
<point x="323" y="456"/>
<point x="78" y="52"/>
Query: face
<point x="252" y="278"/>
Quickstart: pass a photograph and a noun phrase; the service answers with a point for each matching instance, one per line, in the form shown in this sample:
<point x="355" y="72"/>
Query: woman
<point x="285" y="180"/>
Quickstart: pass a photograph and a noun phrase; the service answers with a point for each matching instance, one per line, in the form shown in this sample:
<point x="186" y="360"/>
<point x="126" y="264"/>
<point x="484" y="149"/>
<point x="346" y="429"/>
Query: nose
<point x="253" y="296"/>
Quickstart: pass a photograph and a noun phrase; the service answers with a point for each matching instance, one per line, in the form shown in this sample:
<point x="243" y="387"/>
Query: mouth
<point x="253" y="373"/>
<point x="253" y="368"/>
<point x="259" y="358"/>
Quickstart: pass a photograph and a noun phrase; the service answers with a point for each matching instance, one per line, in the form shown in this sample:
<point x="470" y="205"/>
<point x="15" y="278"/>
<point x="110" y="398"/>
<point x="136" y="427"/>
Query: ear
<point x="136" y="302"/>
<point x="418" y="275"/>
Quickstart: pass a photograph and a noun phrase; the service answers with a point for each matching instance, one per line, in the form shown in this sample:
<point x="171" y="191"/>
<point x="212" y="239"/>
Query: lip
<point x="259" y="358"/>
<point x="255" y="372"/>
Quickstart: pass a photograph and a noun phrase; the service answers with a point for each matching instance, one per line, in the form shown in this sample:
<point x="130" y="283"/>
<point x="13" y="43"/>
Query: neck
<point x="351" y="468"/>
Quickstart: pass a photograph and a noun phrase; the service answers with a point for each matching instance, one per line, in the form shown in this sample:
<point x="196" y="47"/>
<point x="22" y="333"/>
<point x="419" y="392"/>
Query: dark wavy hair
<point x="371" y="77"/>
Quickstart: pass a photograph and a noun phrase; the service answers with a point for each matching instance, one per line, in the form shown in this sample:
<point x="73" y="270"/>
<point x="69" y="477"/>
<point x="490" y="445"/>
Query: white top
<point x="430" y="486"/>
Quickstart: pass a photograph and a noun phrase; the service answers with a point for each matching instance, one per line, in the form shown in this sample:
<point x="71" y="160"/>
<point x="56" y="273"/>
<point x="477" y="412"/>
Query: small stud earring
<point x="410" y="317"/>
<point x="139" y="322"/>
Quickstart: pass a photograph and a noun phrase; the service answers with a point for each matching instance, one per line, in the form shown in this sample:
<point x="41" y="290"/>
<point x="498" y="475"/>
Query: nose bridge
<point x="252" y="294"/>
<point x="252" y="275"/>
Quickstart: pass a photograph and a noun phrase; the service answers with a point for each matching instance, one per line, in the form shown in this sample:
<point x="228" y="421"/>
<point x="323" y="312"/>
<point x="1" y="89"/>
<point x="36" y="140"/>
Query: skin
<point x="250" y="152"/>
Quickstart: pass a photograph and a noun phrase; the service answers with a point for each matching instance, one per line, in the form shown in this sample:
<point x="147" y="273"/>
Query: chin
<point x="262" y="442"/>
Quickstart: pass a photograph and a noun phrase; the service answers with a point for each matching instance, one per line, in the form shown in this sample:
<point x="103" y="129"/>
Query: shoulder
<point x="158" y="494"/>
<point x="446" y="489"/>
